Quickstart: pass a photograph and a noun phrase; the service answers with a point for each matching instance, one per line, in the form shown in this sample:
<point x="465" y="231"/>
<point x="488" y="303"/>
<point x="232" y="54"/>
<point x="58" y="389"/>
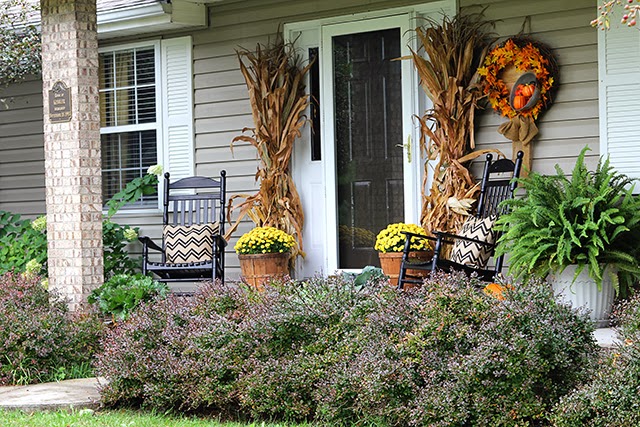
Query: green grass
<point x="111" y="419"/>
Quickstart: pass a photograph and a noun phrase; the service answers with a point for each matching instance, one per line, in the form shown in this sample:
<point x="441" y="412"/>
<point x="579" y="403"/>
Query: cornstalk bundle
<point x="446" y="62"/>
<point x="275" y="81"/>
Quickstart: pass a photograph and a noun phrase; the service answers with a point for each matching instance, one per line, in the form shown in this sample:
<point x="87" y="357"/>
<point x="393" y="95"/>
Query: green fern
<point x="591" y="219"/>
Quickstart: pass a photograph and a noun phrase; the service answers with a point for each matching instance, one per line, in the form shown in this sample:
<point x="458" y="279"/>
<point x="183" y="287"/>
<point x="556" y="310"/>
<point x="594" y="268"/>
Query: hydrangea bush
<point x="23" y="246"/>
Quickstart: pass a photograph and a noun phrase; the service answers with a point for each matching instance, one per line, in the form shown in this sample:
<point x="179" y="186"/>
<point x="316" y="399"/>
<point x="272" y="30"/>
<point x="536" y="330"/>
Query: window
<point x="146" y="108"/>
<point x="129" y="119"/>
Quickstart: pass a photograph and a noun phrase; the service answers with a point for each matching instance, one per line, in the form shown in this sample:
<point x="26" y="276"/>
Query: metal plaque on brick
<point x="59" y="103"/>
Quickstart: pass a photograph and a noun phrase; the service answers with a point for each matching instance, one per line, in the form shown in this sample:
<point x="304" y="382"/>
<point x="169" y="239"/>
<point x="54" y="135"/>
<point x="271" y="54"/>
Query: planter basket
<point x="584" y="292"/>
<point x="258" y="269"/>
<point x="390" y="263"/>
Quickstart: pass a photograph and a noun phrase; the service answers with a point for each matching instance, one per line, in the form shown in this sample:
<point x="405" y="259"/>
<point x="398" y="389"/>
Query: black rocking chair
<point x="498" y="184"/>
<point x="193" y="226"/>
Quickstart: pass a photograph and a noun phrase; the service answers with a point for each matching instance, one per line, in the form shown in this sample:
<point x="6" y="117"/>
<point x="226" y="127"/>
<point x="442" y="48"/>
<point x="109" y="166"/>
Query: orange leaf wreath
<point x="525" y="56"/>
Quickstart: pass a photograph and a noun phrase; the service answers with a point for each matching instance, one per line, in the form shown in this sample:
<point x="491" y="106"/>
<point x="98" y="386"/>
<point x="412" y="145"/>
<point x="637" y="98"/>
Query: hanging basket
<point x="258" y="269"/>
<point x="390" y="262"/>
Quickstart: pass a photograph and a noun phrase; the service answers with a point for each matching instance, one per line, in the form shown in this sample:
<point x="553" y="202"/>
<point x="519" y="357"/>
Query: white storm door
<point x="367" y="104"/>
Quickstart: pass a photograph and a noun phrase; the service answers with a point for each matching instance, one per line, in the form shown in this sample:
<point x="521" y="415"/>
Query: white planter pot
<point x="584" y="292"/>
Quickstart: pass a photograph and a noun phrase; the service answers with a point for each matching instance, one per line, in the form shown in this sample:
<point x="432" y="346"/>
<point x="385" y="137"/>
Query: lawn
<point x="110" y="419"/>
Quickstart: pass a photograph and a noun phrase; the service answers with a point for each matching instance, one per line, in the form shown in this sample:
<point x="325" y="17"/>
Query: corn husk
<point x="446" y="62"/>
<point x="274" y="79"/>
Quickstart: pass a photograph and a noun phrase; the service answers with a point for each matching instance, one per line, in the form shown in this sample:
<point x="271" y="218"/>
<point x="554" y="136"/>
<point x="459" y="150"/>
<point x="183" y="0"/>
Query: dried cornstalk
<point x="275" y="81"/>
<point x="446" y="61"/>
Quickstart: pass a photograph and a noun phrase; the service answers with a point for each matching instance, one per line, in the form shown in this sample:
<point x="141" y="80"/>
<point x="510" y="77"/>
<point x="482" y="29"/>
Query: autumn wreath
<point x="528" y="96"/>
<point x="526" y="56"/>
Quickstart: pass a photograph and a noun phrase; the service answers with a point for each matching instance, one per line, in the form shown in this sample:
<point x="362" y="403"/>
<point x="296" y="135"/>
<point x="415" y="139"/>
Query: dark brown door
<point x="368" y="133"/>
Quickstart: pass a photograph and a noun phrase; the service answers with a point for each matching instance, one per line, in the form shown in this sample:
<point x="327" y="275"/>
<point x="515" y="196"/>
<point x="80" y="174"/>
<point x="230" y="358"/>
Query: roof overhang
<point x="152" y="18"/>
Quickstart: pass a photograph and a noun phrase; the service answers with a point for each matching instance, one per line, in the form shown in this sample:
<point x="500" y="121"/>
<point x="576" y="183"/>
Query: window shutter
<point x="177" y="114"/>
<point x="619" y="73"/>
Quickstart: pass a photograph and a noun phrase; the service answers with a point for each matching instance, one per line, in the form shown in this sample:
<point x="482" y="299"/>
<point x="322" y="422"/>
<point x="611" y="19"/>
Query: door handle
<point x="408" y="147"/>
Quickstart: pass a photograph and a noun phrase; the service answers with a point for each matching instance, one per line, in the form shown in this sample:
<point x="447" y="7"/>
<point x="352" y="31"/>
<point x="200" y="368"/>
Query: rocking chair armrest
<point x="220" y="241"/>
<point x="442" y="235"/>
<point x="419" y="236"/>
<point x="148" y="243"/>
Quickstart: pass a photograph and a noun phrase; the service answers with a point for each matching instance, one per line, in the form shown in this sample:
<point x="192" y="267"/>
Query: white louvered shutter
<point x="619" y="74"/>
<point x="177" y="98"/>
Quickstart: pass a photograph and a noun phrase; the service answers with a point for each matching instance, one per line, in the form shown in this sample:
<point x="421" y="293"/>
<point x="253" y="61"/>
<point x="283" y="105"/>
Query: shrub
<point x="122" y="293"/>
<point x="39" y="340"/>
<point x="333" y="351"/>
<point x="20" y="243"/>
<point x="448" y="354"/>
<point x="502" y="362"/>
<point x="24" y="241"/>
<point x="116" y="257"/>
<point x="611" y="398"/>
<point x="176" y="353"/>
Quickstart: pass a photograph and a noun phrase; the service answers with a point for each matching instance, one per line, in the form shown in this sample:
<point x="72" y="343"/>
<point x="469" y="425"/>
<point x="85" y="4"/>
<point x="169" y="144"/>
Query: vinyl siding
<point x="22" y="149"/>
<point x="221" y="108"/>
<point x="572" y="121"/>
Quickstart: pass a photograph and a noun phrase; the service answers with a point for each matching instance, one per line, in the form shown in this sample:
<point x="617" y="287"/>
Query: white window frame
<point x="157" y="126"/>
<point x="174" y="126"/>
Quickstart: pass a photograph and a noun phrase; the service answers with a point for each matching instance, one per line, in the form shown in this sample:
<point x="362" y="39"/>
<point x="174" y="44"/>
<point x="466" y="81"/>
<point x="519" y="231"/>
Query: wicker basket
<point x="258" y="269"/>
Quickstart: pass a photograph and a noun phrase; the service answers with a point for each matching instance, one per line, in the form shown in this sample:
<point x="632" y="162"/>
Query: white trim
<point x="128" y="128"/>
<point x="151" y="18"/>
<point x="133" y="13"/>
<point x="446" y="6"/>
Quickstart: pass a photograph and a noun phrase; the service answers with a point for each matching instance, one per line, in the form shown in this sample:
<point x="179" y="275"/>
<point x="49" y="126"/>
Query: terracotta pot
<point x="390" y="263"/>
<point x="258" y="269"/>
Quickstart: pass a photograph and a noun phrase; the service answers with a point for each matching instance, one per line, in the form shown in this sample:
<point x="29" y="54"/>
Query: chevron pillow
<point x="474" y="254"/>
<point x="189" y="243"/>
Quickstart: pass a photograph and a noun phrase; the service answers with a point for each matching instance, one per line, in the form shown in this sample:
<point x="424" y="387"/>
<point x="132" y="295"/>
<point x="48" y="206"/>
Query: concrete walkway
<point x="68" y="394"/>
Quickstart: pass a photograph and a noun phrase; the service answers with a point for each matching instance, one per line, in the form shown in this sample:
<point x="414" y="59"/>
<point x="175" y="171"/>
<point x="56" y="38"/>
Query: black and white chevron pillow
<point x="189" y="243"/>
<point x="470" y="253"/>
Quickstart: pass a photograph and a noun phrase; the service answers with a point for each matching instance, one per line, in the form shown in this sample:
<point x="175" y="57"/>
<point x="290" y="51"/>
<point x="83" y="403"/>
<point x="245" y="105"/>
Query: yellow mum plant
<point x="265" y="240"/>
<point x="391" y="238"/>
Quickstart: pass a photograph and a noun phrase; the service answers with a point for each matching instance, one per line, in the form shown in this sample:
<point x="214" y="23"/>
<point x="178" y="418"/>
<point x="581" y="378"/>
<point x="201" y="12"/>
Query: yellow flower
<point x="265" y="240"/>
<point x="391" y="238"/>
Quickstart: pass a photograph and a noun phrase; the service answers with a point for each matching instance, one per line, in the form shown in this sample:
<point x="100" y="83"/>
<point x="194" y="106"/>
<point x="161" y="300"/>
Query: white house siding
<point x="221" y="107"/>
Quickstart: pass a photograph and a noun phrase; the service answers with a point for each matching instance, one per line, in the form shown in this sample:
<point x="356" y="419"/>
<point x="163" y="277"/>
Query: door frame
<point x="413" y="103"/>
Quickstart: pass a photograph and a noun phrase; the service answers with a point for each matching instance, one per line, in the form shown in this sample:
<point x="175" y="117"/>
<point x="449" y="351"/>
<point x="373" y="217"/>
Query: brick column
<point x="72" y="147"/>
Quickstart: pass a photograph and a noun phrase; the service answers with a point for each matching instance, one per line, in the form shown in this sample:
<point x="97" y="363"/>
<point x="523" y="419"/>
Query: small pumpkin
<point x="528" y="89"/>
<point x="519" y="101"/>
<point x="496" y="290"/>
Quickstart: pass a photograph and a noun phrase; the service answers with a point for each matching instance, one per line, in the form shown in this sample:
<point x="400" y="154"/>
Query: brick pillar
<point x="72" y="147"/>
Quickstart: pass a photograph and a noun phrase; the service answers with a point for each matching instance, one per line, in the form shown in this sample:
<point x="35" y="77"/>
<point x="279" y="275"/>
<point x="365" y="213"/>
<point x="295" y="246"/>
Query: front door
<point x="367" y="91"/>
<point x="367" y="105"/>
<point x="353" y="168"/>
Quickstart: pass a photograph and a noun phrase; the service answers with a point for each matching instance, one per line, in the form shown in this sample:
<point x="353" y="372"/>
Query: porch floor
<point x="606" y="337"/>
